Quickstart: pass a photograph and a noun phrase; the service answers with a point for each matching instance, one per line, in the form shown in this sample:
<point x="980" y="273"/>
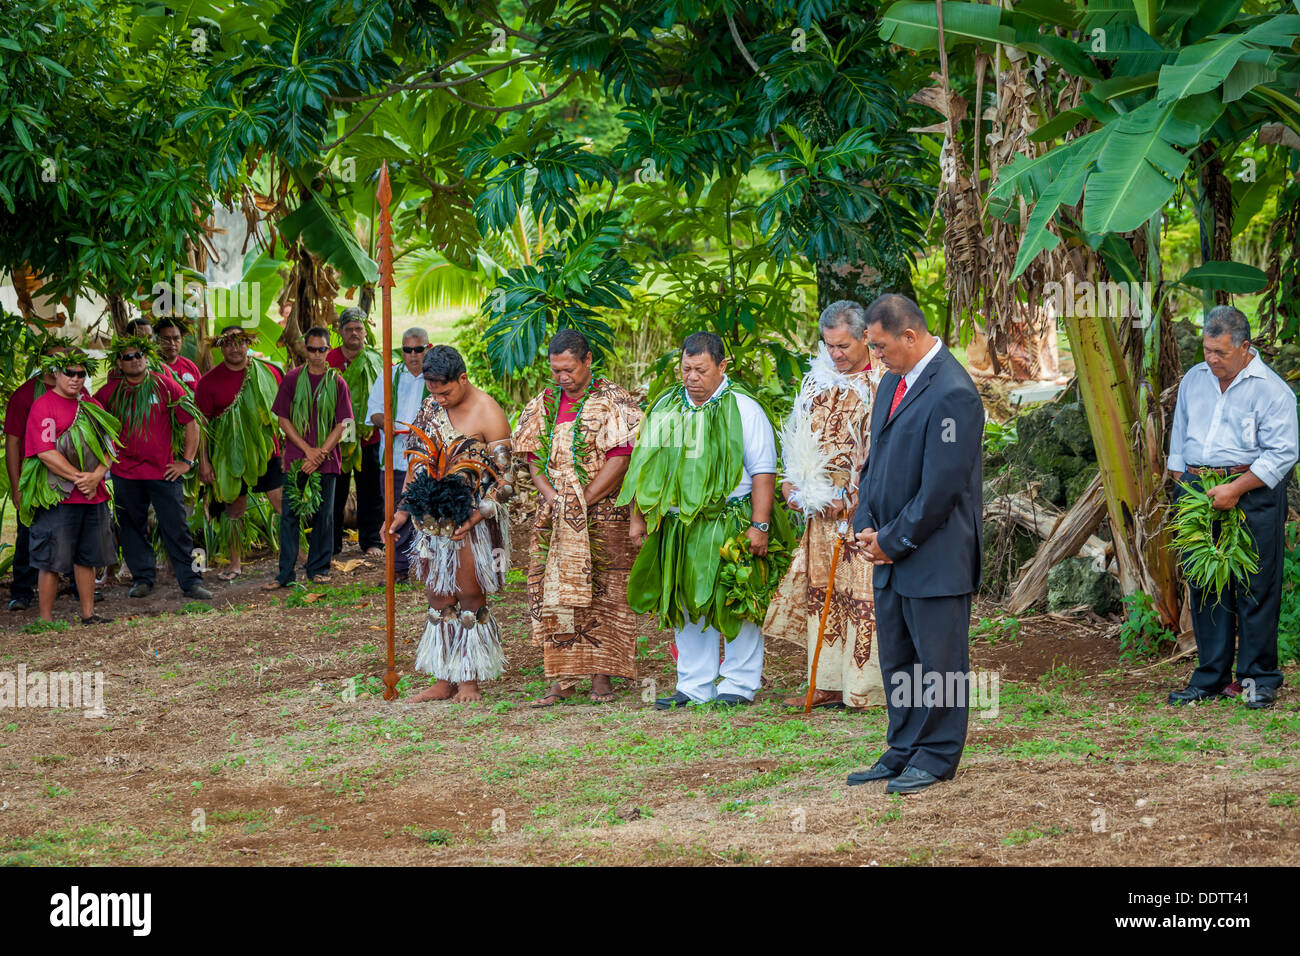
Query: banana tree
<point x="1156" y="81"/>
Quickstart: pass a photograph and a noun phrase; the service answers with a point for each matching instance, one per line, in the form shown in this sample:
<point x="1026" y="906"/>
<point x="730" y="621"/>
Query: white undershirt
<point x="757" y="437"/>
<point x="911" y="377"/>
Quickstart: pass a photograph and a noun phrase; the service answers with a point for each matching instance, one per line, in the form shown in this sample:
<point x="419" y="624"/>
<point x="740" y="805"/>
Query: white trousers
<point x="698" y="667"/>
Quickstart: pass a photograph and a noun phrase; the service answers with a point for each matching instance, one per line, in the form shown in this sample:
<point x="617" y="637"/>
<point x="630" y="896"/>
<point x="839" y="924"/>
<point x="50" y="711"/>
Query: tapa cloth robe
<point x="581" y="557"/>
<point x="848" y="663"/>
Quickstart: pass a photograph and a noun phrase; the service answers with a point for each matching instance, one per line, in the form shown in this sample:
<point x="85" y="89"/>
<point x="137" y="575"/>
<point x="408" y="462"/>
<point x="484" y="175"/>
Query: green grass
<point x="40" y="627"/>
<point x="431" y="837"/>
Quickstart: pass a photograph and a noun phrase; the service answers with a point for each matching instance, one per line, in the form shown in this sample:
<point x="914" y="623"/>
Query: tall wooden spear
<point x="385" y="196"/>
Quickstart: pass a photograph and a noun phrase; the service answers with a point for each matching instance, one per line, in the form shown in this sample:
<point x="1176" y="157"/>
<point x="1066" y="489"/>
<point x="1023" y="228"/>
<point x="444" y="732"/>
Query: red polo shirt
<point x="20" y="404"/>
<point x="185" y="371"/>
<point x="53" y="408"/>
<point x="145" y="454"/>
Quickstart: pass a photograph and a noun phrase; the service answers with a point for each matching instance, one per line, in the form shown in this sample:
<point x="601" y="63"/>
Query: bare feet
<point x="602" y="691"/>
<point x="442" y="690"/>
<point x="552" y="697"/>
<point x="467" y="692"/>
<point x="823" y="698"/>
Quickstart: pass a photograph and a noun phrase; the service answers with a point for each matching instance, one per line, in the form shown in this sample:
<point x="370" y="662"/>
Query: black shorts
<point x="72" y="535"/>
<point x="274" y="478"/>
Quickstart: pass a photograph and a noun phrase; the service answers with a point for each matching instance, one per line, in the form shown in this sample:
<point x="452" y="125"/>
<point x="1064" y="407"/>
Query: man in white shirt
<point x="408" y="395"/>
<point x="1235" y="415"/>
<point x="703" y="471"/>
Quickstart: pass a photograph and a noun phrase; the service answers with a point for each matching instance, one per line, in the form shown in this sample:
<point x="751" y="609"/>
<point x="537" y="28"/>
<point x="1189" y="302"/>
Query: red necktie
<point x="898" y="396"/>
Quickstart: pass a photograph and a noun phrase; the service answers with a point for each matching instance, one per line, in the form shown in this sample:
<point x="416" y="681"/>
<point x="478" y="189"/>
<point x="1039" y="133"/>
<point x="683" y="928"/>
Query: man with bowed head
<point x="1236" y="416"/>
<point x="920" y="506"/>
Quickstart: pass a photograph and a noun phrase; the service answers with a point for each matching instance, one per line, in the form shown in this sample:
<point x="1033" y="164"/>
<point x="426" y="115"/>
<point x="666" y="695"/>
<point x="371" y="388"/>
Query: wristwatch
<point x="192" y="462"/>
<point x="762" y="526"/>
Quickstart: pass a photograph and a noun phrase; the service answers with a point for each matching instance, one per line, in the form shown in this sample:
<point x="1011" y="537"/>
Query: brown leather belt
<point x="1219" y="469"/>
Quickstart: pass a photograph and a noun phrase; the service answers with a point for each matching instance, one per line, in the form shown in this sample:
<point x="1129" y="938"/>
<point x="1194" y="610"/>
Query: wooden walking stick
<point x="385" y="196"/>
<point x="826" y="610"/>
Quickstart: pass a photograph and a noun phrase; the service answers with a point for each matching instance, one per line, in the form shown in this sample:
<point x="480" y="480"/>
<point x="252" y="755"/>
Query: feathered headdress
<point x="444" y="496"/>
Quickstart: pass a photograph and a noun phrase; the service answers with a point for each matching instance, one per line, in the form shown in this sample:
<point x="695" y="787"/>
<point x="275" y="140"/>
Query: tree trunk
<point x="1215" y="213"/>
<point x="1125" y="459"/>
<point x="117" y="312"/>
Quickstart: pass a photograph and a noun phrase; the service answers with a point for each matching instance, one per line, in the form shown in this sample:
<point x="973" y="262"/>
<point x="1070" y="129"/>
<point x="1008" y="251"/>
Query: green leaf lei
<point x="1211" y="560"/>
<point x="305" y="501"/>
<point x="551" y="409"/>
<point x="326" y="395"/>
<point x="131" y="404"/>
<point x="358" y="377"/>
<point x="242" y="436"/>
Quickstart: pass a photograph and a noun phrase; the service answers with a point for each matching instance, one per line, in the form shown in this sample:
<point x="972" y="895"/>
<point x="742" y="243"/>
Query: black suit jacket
<point x="922" y="486"/>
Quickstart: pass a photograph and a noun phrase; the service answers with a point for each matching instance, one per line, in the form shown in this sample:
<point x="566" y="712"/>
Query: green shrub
<point x="1141" y="634"/>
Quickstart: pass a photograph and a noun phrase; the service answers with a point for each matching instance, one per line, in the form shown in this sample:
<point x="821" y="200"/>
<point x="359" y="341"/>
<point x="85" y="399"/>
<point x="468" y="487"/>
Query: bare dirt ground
<point x="231" y="737"/>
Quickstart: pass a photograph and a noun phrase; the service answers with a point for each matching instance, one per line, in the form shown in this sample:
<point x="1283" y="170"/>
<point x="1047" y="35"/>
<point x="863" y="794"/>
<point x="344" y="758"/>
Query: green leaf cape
<point x="242" y="435"/>
<point x="358" y="377"/>
<point x="690" y="458"/>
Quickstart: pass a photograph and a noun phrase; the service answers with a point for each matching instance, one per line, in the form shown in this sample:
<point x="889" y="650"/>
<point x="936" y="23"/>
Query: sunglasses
<point x="318" y="348"/>
<point x="80" y="373"/>
<point x="131" y="356"/>
<point x="414" y="349"/>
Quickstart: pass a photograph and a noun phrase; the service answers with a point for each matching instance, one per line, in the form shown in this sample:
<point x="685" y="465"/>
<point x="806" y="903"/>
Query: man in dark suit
<point x="919" y="513"/>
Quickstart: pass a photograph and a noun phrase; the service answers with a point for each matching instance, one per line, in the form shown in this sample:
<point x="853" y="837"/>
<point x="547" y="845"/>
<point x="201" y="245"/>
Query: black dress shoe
<point x="877" y="771"/>
<point x="732" y="700"/>
<point x="669" y="703"/>
<point x="1261" y="699"/>
<point x="911" y="780"/>
<point x="1192" y="695"/>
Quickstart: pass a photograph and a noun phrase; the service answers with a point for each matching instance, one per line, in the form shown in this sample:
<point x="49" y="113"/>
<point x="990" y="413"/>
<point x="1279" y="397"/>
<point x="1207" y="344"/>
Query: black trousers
<point x="370" y="501"/>
<point x="917" y="638"/>
<point x="131" y="500"/>
<point x="320" y="539"/>
<point x="1245" y="619"/>
<point x="23" y="587"/>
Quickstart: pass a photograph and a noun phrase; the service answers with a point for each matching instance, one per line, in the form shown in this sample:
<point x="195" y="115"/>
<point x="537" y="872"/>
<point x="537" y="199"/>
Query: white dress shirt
<point x="410" y="395"/>
<point x="911" y="377"/>
<point x="1252" y="423"/>
<point x="757" y="437"/>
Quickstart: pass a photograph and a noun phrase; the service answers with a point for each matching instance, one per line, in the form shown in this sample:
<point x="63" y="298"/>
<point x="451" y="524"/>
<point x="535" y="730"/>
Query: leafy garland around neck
<point x="687" y="456"/>
<point x="131" y="404"/>
<point x="326" y="395"/>
<point x="358" y="377"/>
<point x="551" y="401"/>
